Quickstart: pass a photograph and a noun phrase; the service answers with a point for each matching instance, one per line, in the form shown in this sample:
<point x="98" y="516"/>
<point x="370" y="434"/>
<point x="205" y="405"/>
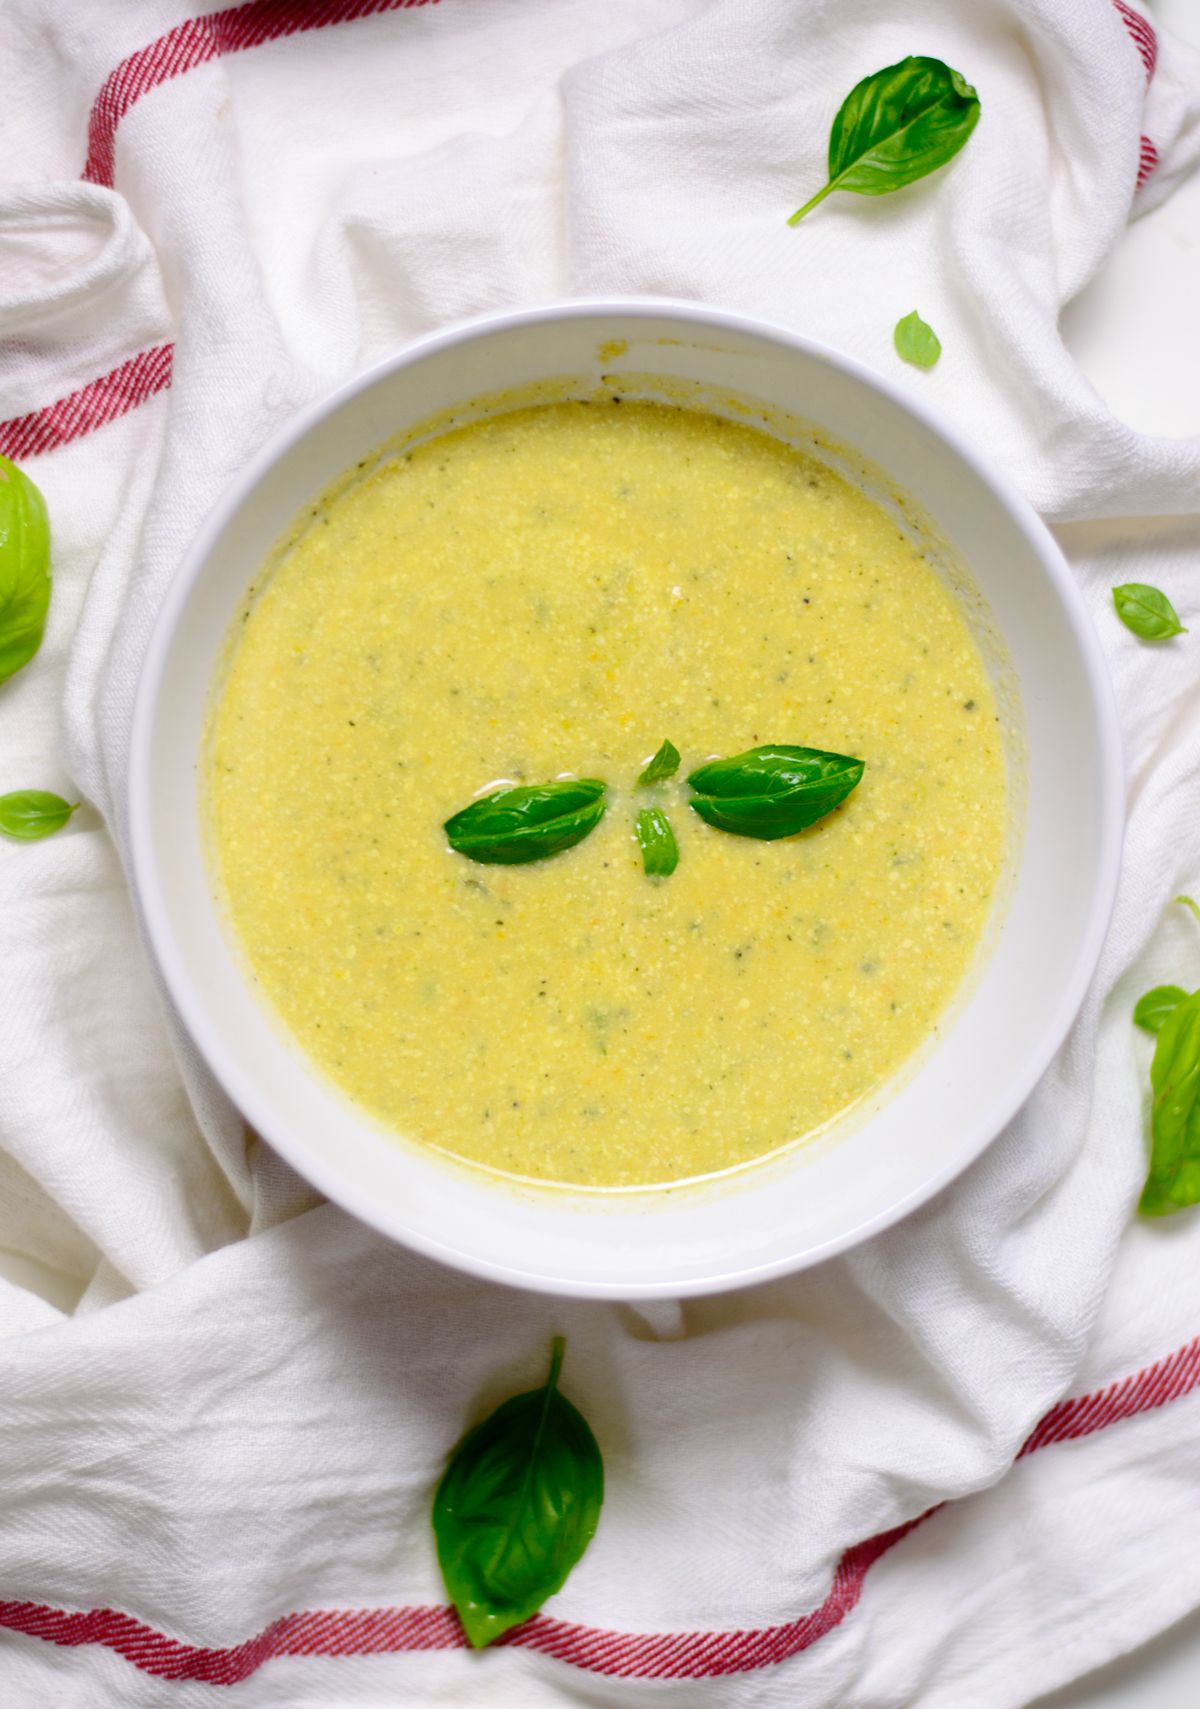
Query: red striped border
<point x="123" y="388"/>
<point x="1144" y="38"/>
<point x="1147" y="160"/>
<point x="623" y="1655"/>
<point x="196" y="42"/>
<point x="190" y="44"/>
<point x="1167" y="1380"/>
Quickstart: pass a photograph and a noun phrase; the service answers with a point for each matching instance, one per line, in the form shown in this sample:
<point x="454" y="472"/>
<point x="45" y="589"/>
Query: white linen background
<point x="216" y="1440"/>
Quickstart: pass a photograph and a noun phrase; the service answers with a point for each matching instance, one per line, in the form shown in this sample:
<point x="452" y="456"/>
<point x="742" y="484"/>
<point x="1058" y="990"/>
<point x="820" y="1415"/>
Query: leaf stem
<point x="557" y="1348"/>
<point x="812" y="202"/>
<point x="1188" y="903"/>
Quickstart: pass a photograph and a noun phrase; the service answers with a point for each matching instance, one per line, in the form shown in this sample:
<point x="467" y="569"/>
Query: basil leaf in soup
<point x="664" y="764"/>
<point x="660" y="851"/>
<point x="28" y="815"/>
<point x="520" y="823"/>
<point x="518" y="1505"/>
<point x="772" y="791"/>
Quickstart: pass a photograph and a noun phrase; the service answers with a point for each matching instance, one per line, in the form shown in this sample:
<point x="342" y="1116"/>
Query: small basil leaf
<point x="30" y="814"/>
<point x="526" y="822"/>
<point x="1147" y="611"/>
<point x="1152" y="1010"/>
<point x="24" y="568"/>
<point x="916" y="342"/>
<point x="895" y="127"/>
<point x="1174" y="1178"/>
<point x="664" y="764"/>
<point x="772" y="791"/>
<point x="518" y="1505"/>
<point x="660" y="851"/>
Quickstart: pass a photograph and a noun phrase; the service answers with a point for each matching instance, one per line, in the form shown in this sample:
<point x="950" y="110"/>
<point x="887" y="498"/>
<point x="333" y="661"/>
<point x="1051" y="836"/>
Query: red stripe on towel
<point x="199" y="40"/>
<point x="1147" y="160"/>
<point x="626" y="1655"/>
<point x="1142" y="32"/>
<point x="123" y="388"/>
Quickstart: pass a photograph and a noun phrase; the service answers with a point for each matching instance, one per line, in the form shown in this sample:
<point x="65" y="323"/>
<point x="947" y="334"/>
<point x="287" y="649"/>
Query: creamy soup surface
<point x="555" y="591"/>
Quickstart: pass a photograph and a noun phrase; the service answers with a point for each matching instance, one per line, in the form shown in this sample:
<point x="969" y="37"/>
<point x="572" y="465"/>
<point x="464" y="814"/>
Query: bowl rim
<point x="256" y="1107"/>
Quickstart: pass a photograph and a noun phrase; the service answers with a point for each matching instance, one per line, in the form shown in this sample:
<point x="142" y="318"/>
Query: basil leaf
<point x="664" y="764"/>
<point x="660" y="851"/>
<point x="1174" y="1178"/>
<point x="1152" y="1010"/>
<point x="1147" y="611"/>
<point x="772" y="791"/>
<point x="28" y="815"/>
<point x="895" y="127"/>
<point x="526" y="822"/>
<point x="916" y="342"/>
<point x="24" y="569"/>
<point x="518" y="1505"/>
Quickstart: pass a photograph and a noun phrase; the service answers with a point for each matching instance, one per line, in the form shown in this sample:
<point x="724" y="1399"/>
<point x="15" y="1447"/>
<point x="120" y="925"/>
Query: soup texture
<point x="554" y="591"/>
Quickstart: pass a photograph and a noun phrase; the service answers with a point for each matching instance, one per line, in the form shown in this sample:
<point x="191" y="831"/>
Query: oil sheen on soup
<point x="555" y="591"/>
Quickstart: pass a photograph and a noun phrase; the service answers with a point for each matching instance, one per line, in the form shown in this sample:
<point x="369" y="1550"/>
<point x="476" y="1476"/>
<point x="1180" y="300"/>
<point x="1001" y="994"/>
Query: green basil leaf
<point x="660" y="851"/>
<point x="1174" y="1178"/>
<point x="1152" y="1010"/>
<point x="916" y="342"/>
<point x="525" y="822"/>
<point x="1147" y="611"/>
<point x="895" y="127"/>
<point x="664" y="764"/>
<point x="518" y="1505"/>
<point x="1156" y="1201"/>
<point x="24" y="568"/>
<point x="772" y="791"/>
<point x="30" y="814"/>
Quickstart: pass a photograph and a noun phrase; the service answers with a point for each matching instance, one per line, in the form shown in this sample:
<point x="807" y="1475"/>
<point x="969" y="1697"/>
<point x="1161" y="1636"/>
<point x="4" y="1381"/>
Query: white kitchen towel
<point x="218" y="1473"/>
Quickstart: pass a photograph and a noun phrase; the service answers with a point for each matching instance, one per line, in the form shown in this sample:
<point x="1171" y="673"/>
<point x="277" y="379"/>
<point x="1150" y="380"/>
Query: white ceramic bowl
<point x="779" y="1216"/>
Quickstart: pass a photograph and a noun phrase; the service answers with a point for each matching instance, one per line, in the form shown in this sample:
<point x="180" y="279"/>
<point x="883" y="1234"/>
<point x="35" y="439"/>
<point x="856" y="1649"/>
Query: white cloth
<point x="247" y="1415"/>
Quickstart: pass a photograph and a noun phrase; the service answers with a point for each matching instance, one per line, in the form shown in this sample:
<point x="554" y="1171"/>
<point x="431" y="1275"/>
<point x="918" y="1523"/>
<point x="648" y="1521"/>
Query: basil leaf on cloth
<point x="518" y="1505"/>
<point x="1147" y="611"/>
<point x="28" y="815"/>
<point x="24" y="568"/>
<point x="896" y="126"/>
<point x="1152" y="1011"/>
<point x="916" y="342"/>
<point x="1174" y="1178"/>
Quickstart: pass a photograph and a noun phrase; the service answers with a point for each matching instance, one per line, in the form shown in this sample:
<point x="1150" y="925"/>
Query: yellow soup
<point x="554" y="591"/>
